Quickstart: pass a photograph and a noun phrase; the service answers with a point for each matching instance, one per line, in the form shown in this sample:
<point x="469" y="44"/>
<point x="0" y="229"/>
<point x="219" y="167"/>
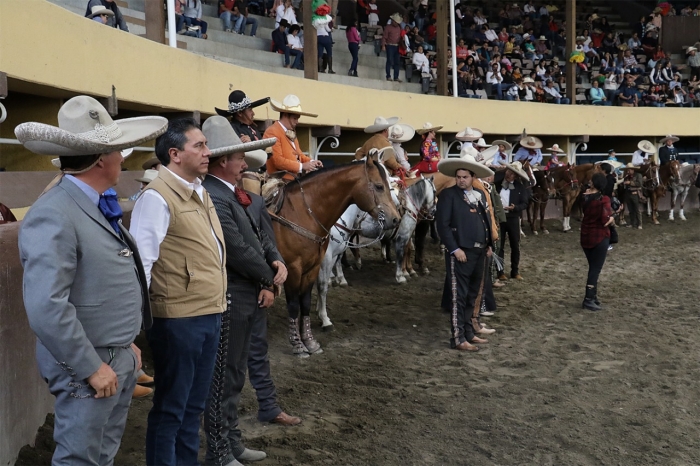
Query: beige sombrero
<point x="646" y="146"/>
<point x="397" y="17"/>
<point x="223" y="140"/>
<point x="125" y="153"/>
<point x="531" y="142"/>
<point x="380" y="124"/>
<point x="613" y="163"/>
<point x="481" y="143"/>
<point x="428" y="127"/>
<point x="498" y="142"/>
<point x="401" y="133"/>
<point x="469" y="135"/>
<point x="630" y="166"/>
<point x="98" y="10"/>
<point x="465" y="161"/>
<point x="555" y="148"/>
<point x="517" y="168"/>
<point x="150" y="163"/>
<point x="148" y="176"/>
<point x="85" y="128"/>
<point x="669" y="137"/>
<point x="290" y="104"/>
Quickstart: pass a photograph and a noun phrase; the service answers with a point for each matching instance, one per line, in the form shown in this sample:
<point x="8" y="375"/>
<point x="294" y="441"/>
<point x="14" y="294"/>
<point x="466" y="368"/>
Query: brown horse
<point x="567" y="187"/>
<point x="311" y="206"/>
<point x="666" y="175"/>
<point x="650" y="175"/>
<point x="542" y="192"/>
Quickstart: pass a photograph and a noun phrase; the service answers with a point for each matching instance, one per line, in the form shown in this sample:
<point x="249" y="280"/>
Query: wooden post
<point x="443" y="30"/>
<point x="310" y="44"/>
<point x="155" y="22"/>
<point x="570" y="45"/>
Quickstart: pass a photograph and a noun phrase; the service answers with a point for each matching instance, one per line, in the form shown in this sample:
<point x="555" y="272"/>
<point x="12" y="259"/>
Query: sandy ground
<point x="555" y="385"/>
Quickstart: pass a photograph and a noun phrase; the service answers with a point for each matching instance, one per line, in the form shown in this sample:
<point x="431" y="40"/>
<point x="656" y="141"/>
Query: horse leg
<point x="531" y="216"/>
<point x="307" y="338"/>
<point x="684" y="194"/>
<point x="421" y="231"/>
<point x="674" y="194"/>
<point x="322" y="289"/>
<point x="433" y="233"/>
<point x="400" y="244"/>
<point x="298" y="348"/>
<point x="408" y="262"/>
<point x="655" y="209"/>
<point x="339" y="275"/>
<point x="543" y="207"/>
<point x="356" y="252"/>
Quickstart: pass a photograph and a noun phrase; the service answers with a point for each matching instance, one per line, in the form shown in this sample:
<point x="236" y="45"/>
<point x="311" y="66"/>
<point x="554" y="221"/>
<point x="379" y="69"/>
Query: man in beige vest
<point x="174" y="222"/>
<point x="380" y="141"/>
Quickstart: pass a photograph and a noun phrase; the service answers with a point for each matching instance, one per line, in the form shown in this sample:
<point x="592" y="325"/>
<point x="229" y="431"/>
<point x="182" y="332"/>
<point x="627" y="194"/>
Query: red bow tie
<point x="243" y="197"/>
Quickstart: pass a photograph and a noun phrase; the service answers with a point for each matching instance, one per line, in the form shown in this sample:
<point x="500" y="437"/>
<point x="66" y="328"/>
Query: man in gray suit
<point x="253" y="267"/>
<point x="84" y="286"/>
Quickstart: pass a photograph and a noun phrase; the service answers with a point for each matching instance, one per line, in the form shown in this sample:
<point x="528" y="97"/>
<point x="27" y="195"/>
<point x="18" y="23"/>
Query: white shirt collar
<point x="230" y="186"/>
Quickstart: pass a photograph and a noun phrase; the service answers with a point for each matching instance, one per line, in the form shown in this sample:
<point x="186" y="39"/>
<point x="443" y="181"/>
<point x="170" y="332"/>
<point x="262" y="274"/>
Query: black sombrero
<point x="238" y="101"/>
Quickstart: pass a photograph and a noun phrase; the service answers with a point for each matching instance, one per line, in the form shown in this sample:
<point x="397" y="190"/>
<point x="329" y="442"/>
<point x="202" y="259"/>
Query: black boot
<point x="322" y="64"/>
<point x="330" y="65"/>
<point x="589" y="302"/>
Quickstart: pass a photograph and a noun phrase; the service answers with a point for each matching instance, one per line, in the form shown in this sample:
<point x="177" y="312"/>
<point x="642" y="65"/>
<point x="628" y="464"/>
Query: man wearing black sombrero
<point x="240" y="111"/>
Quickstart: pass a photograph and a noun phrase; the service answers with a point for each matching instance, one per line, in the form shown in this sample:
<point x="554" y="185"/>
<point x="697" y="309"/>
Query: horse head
<point x="651" y="173"/>
<point x="550" y="184"/>
<point x="527" y="168"/>
<point x="430" y="200"/>
<point x="675" y="171"/>
<point x="374" y="195"/>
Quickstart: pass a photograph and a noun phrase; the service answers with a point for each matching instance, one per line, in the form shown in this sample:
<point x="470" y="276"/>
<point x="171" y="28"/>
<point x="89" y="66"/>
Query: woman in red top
<point x="595" y="236"/>
<point x="429" y="152"/>
<point x="462" y="50"/>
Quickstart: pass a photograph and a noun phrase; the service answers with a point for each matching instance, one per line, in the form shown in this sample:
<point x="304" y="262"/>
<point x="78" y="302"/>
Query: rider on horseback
<point x="554" y="157"/>
<point x="529" y="151"/>
<point x="380" y="141"/>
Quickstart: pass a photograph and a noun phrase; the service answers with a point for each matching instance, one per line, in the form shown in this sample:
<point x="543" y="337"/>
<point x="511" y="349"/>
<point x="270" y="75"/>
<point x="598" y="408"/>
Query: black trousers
<point x="632" y="201"/>
<point x="596" y="259"/>
<point x="489" y="298"/>
<point x="511" y="229"/>
<point x="259" y="369"/>
<point x="466" y="280"/>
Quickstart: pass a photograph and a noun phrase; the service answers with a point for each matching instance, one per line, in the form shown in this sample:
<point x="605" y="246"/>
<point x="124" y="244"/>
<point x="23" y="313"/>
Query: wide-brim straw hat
<point x="498" y="142"/>
<point x="528" y="80"/>
<point x="125" y="154"/>
<point x="98" y="10"/>
<point x="555" y="148"/>
<point x="691" y="49"/>
<point x="481" y="143"/>
<point x="397" y="17"/>
<point x="469" y="135"/>
<point x="401" y="132"/>
<point x="380" y="124"/>
<point x="517" y="168"/>
<point x="465" y="161"/>
<point x="85" y="128"/>
<point x="630" y="166"/>
<point x="542" y="38"/>
<point x="531" y="142"/>
<point x="487" y="155"/>
<point x="223" y="140"/>
<point x="238" y="101"/>
<point x="148" y="176"/>
<point x="669" y="137"/>
<point x="290" y="104"/>
<point x="613" y="163"/>
<point x="646" y="146"/>
<point x="150" y="163"/>
<point x="428" y="127"/>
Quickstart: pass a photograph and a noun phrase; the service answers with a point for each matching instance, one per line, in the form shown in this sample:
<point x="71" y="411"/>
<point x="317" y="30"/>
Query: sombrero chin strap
<point x="68" y="171"/>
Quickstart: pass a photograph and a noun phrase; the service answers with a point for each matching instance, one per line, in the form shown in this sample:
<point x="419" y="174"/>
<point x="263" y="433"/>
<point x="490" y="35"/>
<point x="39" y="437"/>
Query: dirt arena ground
<point x="556" y="385"/>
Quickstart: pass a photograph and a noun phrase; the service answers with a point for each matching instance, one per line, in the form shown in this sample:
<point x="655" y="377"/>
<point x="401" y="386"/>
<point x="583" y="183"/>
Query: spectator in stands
<point x="630" y="63"/>
<point x="649" y="43"/>
<point x="676" y="82"/>
<point x="667" y="71"/>
<point x="285" y="11"/>
<point x="517" y="91"/>
<point x="495" y="80"/>
<point x="373" y="17"/>
<point x="654" y="97"/>
<point x="353" y="37"/>
<point x="227" y="10"/>
<point x="528" y="47"/>
<point x="541" y="49"/>
<point x="244" y="19"/>
<point x="610" y="86"/>
<point x="193" y="16"/>
<point x="693" y="60"/>
<point x="325" y="44"/>
<point x="100" y="14"/>
<point x="634" y="44"/>
<point x="390" y="44"/>
<point x="657" y="56"/>
<point x="598" y="95"/>
<point x="420" y="61"/>
<point x="280" y="45"/>
<point x="628" y="93"/>
<point x="679" y="97"/>
<point x="490" y="34"/>
<point x="295" y="46"/>
<point x="515" y="15"/>
<point x="461" y="50"/>
<point x="553" y="96"/>
<point x="115" y="21"/>
<point x="655" y="75"/>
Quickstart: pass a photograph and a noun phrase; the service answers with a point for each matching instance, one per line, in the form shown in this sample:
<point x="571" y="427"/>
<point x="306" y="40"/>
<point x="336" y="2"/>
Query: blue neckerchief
<point x="109" y="206"/>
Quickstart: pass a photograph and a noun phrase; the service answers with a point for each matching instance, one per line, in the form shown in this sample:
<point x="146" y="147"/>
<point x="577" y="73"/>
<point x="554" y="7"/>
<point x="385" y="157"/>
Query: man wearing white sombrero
<point x="644" y="150"/>
<point x="667" y="152"/>
<point x="554" y="153"/>
<point x="529" y="151"/>
<point x="380" y="141"/>
<point x="286" y="153"/>
<point x="85" y="291"/>
<point x="514" y="197"/>
<point x="500" y="158"/>
<point x="400" y="133"/>
<point x="468" y="135"/>
<point x="253" y="267"/>
<point x="464" y="225"/>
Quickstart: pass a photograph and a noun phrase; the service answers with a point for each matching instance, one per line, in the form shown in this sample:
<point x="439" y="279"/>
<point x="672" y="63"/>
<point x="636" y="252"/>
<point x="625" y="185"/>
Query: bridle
<point x="422" y="212"/>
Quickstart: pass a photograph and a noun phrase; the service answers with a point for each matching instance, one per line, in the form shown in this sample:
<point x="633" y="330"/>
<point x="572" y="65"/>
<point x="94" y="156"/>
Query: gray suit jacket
<point x="249" y="249"/>
<point x="81" y="282"/>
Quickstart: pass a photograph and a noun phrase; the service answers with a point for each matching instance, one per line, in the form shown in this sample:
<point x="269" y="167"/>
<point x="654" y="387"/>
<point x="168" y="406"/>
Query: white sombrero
<point x="669" y="137"/>
<point x="469" y="135"/>
<point x="498" y="142"/>
<point x="125" y="153"/>
<point x="85" y="128"/>
<point x="100" y="10"/>
<point x="223" y="140"/>
<point x="148" y="176"/>
<point x="465" y="161"/>
<point x="531" y="142"/>
<point x="613" y="163"/>
<point x="290" y="104"/>
<point x="380" y="124"/>
<point x="428" y="127"/>
<point x="481" y="143"/>
<point x="555" y="148"/>
<point x="396" y="17"/>
<point x="517" y="168"/>
<point x="646" y="146"/>
<point x="401" y="133"/>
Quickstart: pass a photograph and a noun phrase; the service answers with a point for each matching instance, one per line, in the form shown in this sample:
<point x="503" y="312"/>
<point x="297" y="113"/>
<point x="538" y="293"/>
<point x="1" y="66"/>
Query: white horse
<point x="689" y="174"/>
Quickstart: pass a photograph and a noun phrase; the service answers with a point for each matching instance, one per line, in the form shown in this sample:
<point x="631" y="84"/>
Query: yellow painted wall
<point x="70" y="55"/>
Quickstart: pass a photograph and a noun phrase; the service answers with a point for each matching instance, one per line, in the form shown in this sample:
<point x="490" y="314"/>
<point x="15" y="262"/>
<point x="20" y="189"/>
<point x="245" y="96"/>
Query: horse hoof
<point x="657" y="223"/>
<point x="546" y="232"/>
<point x="328" y="328"/>
<point x="413" y="273"/>
<point x="425" y="271"/>
<point x="343" y="283"/>
<point x="302" y="355"/>
<point x="536" y="234"/>
<point x="401" y="280"/>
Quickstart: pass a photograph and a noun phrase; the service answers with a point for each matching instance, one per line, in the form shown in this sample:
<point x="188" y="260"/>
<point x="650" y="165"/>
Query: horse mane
<point x="314" y="174"/>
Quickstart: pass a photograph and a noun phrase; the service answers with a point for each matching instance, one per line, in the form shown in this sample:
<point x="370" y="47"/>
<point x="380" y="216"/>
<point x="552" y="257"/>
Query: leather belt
<point x="479" y="245"/>
<point x="395" y="45"/>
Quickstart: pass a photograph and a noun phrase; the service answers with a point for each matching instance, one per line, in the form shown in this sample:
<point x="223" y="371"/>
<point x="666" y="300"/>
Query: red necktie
<point x="243" y="197"/>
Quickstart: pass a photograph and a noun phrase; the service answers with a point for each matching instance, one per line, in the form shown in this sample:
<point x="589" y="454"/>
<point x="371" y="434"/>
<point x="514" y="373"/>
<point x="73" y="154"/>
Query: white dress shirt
<point x="639" y="157"/>
<point x="150" y="220"/>
<point x="505" y="197"/>
<point x="401" y="155"/>
<point x="287" y="14"/>
<point x="294" y="42"/>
